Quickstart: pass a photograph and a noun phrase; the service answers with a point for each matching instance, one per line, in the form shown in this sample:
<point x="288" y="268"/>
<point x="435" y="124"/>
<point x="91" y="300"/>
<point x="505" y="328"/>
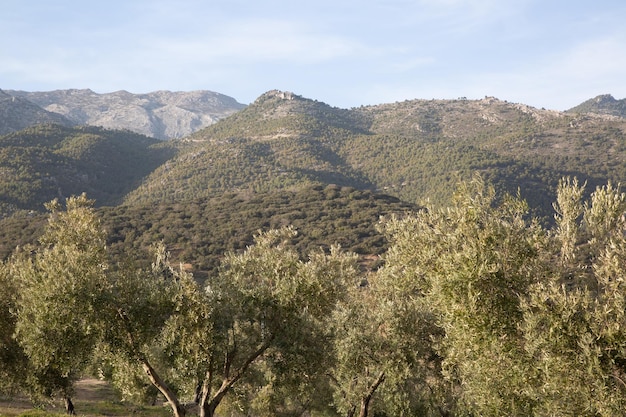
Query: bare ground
<point x="89" y="389"/>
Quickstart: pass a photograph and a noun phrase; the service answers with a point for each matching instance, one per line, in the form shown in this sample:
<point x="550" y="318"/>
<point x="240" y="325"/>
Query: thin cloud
<point x="261" y="41"/>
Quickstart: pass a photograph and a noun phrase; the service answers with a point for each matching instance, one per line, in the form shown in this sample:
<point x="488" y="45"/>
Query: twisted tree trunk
<point x="208" y="407"/>
<point x="365" y="401"/>
<point x="177" y="408"/>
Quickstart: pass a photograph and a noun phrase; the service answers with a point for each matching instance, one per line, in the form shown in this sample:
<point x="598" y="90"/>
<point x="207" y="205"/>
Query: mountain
<point x="414" y="150"/>
<point x="17" y="113"/>
<point x="199" y="231"/>
<point x="286" y="159"/>
<point x="45" y="162"/>
<point x="604" y="104"/>
<point x="159" y="114"/>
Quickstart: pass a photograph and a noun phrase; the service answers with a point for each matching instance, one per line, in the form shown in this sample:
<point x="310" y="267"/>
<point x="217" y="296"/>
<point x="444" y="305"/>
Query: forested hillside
<point x="415" y="150"/>
<point x="51" y="161"/>
<point x="299" y="259"/>
<point x="200" y="231"/>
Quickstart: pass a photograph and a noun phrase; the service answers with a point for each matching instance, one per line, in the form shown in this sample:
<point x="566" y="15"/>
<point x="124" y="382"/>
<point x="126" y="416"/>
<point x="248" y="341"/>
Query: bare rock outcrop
<point x="159" y="114"/>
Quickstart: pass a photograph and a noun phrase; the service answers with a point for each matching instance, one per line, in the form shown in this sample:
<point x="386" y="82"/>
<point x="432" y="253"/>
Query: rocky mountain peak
<point x="604" y="99"/>
<point x="160" y="114"/>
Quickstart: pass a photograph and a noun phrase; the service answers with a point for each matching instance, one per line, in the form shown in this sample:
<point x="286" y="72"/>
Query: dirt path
<point x="91" y="389"/>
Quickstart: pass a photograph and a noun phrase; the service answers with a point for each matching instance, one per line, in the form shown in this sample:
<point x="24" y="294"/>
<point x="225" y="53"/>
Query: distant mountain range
<point x="159" y="114"/>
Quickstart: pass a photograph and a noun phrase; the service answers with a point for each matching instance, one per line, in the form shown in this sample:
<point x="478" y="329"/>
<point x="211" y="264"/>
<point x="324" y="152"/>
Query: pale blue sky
<point x="545" y="53"/>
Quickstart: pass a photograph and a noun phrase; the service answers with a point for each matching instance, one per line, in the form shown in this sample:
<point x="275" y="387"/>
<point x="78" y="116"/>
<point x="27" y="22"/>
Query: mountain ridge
<point x="160" y="114"/>
<point x="17" y="113"/>
<point x="604" y="104"/>
<point x="414" y="150"/>
<point x="250" y="168"/>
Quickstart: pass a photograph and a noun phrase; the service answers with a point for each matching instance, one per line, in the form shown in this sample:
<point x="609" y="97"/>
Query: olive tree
<point x="263" y="311"/>
<point x="13" y="360"/>
<point x="60" y="284"/>
<point x="464" y="268"/>
<point x="139" y="303"/>
<point x="575" y="321"/>
<point x="531" y="320"/>
<point x="266" y="308"/>
<point x="271" y="305"/>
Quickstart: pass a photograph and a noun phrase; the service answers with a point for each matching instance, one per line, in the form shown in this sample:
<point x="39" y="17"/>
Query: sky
<point x="550" y="54"/>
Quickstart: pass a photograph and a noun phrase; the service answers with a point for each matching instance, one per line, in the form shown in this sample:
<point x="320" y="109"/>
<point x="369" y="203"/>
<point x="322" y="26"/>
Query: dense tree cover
<point x="67" y="302"/>
<point x="477" y="309"/>
<point x="199" y="232"/>
<point x="415" y="150"/>
<point x="529" y="319"/>
<point x="50" y="161"/>
<point x="57" y="294"/>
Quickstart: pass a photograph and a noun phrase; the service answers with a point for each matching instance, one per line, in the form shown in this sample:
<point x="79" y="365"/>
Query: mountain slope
<point x="159" y="114"/>
<point x="50" y="161"/>
<point x="17" y="113"/>
<point x="275" y="143"/>
<point x="514" y="146"/>
<point x="199" y="231"/>
<point x="414" y="150"/>
<point x="604" y="104"/>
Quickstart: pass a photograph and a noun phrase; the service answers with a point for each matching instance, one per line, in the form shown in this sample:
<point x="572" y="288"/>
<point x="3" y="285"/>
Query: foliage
<point x="477" y="309"/>
<point x="199" y="232"/>
<point x="13" y="360"/>
<point x="530" y="319"/>
<point x="415" y="150"/>
<point x="469" y="264"/>
<point x="574" y="322"/>
<point x="48" y="161"/>
<point x="59" y="286"/>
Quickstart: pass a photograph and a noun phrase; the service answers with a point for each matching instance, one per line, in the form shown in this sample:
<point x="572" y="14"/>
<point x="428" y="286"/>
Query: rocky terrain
<point x="159" y="114"/>
<point x="604" y="104"/>
<point x="17" y="113"/>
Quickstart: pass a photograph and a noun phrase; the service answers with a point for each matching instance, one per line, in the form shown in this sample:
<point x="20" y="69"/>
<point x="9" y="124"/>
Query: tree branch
<point x="365" y="401"/>
<point x="230" y="381"/>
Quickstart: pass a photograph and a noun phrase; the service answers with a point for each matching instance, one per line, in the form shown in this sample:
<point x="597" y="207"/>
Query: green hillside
<point x="414" y="150"/>
<point x="200" y="231"/>
<point x="481" y="273"/>
<point x="283" y="149"/>
<point x="51" y="161"/>
<point x="603" y="104"/>
<point x="272" y="144"/>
